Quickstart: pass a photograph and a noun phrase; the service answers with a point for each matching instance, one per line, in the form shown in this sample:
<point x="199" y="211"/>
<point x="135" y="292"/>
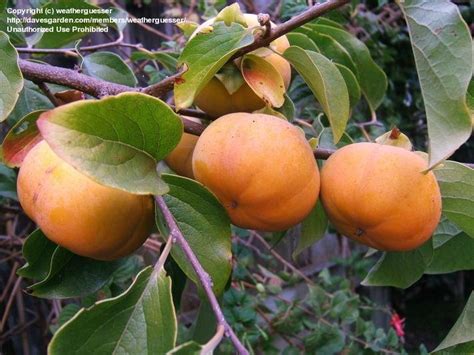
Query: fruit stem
<point x="203" y="276"/>
<point x="395" y="133"/>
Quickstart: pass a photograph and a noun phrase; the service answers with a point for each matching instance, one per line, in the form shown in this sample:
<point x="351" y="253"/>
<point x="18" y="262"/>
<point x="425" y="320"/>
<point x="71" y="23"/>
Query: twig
<point x="264" y="20"/>
<point x="10" y="209"/>
<point x="281" y="259"/>
<point x="203" y="276"/>
<point x="164" y="86"/>
<point x="9" y="281"/>
<point x="45" y="89"/>
<point x="164" y="255"/>
<point x="209" y="347"/>
<point x="6" y="311"/>
<point x="261" y="40"/>
<point x="51" y="74"/>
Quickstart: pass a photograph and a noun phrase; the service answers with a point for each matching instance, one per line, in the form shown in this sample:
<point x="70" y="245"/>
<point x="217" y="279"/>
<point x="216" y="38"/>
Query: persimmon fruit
<point x="260" y="167"/>
<point x="214" y="98"/>
<point x="78" y="213"/>
<point x="180" y="159"/>
<point x="381" y="196"/>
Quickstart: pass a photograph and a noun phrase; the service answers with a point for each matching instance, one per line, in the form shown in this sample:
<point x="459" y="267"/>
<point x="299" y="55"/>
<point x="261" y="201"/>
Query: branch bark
<point x="264" y="39"/>
<point x="51" y="74"/>
<point x="203" y="276"/>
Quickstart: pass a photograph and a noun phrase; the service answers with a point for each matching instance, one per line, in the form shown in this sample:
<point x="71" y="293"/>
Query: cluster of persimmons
<point x="260" y="167"/>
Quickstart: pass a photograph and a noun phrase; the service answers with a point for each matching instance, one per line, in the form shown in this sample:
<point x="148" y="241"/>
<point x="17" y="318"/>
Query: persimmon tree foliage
<point x="91" y="158"/>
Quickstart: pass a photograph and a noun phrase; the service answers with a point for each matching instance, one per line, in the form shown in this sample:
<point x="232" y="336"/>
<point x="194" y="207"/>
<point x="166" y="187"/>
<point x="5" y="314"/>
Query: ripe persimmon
<point x="215" y="99"/>
<point x="380" y="195"/>
<point x="181" y="158"/>
<point x="79" y="214"/>
<point x="260" y="167"/>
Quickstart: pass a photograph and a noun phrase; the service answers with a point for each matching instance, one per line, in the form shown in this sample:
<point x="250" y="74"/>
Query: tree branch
<point x="264" y="39"/>
<point x="70" y="78"/>
<point x="164" y="86"/>
<point x="203" y="276"/>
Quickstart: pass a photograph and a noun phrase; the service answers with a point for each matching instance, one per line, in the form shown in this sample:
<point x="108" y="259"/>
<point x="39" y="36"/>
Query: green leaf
<point x="372" y="79"/>
<point x="23" y="136"/>
<point x="116" y="141"/>
<point x="313" y="228"/>
<point x="327" y="22"/>
<point x="326" y="83"/>
<point x="11" y="80"/>
<point x="231" y="77"/>
<point x="287" y="109"/>
<point x="119" y="17"/>
<point x="205" y="225"/>
<point x="444" y="232"/>
<point x="455" y="254"/>
<point x="70" y="275"/>
<point x="167" y="60"/>
<point x="460" y="339"/>
<point x="329" y="47"/>
<point x="326" y="140"/>
<point x="325" y="339"/>
<point x="470" y="99"/>
<point x="142" y="320"/>
<point x="302" y="40"/>
<point x="388" y="271"/>
<point x="66" y="314"/>
<point x="109" y="66"/>
<point x="187" y="27"/>
<point x="230" y="14"/>
<point x="456" y="182"/>
<point x="204" y="55"/>
<point x="204" y="327"/>
<point x="79" y="23"/>
<point x="31" y="99"/>
<point x="7" y="183"/>
<point x="37" y="251"/>
<point x="16" y="38"/>
<point x="442" y="46"/>
<point x="352" y="84"/>
<point x="263" y="79"/>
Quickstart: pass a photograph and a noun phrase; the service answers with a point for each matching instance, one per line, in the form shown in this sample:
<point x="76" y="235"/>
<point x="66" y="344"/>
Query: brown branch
<point x="164" y="86"/>
<point x="45" y="89"/>
<point x="204" y="278"/>
<point x="263" y="40"/>
<point x="51" y="74"/>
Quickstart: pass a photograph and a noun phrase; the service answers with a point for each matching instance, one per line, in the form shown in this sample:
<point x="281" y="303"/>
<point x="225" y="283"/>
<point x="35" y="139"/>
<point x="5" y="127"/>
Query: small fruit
<point x="216" y="101"/>
<point x="181" y="158"/>
<point x="260" y="167"/>
<point x="378" y="195"/>
<point x="79" y="214"/>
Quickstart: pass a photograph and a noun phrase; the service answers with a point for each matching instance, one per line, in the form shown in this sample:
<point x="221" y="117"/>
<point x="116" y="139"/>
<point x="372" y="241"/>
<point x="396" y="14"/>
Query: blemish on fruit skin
<point x="233" y="204"/>
<point x="359" y="232"/>
<point x="35" y="197"/>
<point x="50" y="170"/>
